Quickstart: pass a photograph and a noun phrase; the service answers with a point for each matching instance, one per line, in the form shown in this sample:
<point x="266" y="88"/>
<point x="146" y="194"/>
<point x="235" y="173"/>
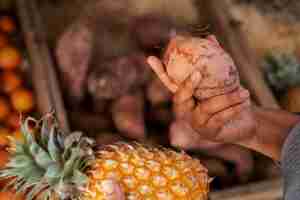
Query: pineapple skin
<point x="146" y="173"/>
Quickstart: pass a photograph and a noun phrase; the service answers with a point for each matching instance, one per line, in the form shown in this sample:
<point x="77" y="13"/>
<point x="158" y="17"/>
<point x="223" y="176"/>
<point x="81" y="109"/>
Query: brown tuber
<point x="118" y="76"/>
<point x="190" y="56"/>
<point x="74" y="51"/>
<point x="128" y="116"/>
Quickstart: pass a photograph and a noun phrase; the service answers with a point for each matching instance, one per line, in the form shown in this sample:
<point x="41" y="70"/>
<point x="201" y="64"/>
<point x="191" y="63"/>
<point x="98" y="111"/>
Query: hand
<point x="225" y="118"/>
<point x="229" y="118"/>
<point x="181" y="135"/>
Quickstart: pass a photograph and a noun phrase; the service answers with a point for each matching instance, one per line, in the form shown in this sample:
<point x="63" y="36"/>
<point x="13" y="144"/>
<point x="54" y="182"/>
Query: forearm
<point x="273" y="126"/>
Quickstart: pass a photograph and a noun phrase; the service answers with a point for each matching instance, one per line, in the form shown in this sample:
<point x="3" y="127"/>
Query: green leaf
<point x="53" y="171"/>
<point x="19" y="147"/>
<point x="34" y="148"/>
<point x="25" y="129"/>
<point x="42" y="158"/>
<point x="20" y="161"/>
<point x="53" y="150"/>
<point x="45" y="130"/>
<point x="71" y="139"/>
<point x="79" y="178"/>
<point x="68" y="167"/>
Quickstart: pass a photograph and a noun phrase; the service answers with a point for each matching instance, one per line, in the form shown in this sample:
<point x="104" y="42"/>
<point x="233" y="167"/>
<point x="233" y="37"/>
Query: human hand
<point x="226" y="118"/>
<point x="182" y="135"/>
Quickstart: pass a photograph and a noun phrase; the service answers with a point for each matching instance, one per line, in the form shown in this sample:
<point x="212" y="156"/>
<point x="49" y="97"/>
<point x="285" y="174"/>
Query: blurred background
<point x="87" y="61"/>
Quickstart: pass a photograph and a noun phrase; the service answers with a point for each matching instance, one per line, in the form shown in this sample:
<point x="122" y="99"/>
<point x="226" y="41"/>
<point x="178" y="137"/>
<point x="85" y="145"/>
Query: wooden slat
<point x="268" y="190"/>
<point x="44" y="77"/>
<point x="236" y="43"/>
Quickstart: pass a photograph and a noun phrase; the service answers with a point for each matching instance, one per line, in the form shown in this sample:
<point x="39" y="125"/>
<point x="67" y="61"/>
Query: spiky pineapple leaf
<point x="26" y="131"/>
<point x="53" y="171"/>
<point x="47" y="168"/>
<point x="41" y="156"/>
<point x="71" y="139"/>
<point x="45" y="129"/>
<point x="53" y="149"/>
<point x="79" y="178"/>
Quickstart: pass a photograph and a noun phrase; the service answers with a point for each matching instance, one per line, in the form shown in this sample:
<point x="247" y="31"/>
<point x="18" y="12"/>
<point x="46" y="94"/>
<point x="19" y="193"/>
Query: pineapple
<point x="50" y="165"/>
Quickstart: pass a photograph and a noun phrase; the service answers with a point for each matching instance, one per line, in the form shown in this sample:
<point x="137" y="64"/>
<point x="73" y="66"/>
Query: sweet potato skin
<point x="128" y="116"/>
<point x="204" y="55"/>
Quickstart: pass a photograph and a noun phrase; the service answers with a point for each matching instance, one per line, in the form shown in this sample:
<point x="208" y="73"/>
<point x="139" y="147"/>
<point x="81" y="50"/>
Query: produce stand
<point x="49" y="96"/>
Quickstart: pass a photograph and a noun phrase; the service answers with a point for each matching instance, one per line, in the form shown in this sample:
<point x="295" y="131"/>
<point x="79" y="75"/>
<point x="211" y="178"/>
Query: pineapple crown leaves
<point x="282" y="70"/>
<point x="48" y="163"/>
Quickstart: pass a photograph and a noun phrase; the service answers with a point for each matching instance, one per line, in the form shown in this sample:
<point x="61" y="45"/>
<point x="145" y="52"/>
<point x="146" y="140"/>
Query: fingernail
<point x="150" y="60"/>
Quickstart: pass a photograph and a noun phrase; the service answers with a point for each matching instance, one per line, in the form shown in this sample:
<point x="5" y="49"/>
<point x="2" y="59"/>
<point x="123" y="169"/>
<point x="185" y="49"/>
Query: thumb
<point x="112" y="190"/>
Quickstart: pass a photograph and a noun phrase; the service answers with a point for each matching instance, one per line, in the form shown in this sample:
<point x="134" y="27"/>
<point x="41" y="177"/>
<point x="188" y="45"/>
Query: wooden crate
<point x="235" y="41"/>
<point x="49" y="96"/>
<point x="45" y="82"/>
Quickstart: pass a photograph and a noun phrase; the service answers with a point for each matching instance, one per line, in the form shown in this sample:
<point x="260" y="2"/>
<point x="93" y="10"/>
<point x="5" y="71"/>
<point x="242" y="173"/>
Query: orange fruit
<point x="4" y="133"/>
<point x="22" y="100"/>
<point x="10" y="81"/>
<point x="6" y="195"/>
<point x="13" y="121"/>
<point x="7" y="24"/>
<point x="4" y="108"/>
<point x="10" y="58"/>
<point x="3" y="40"/>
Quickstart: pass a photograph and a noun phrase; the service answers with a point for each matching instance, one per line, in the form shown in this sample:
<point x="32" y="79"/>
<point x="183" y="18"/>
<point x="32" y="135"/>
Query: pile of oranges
<point x="15" y="97"/>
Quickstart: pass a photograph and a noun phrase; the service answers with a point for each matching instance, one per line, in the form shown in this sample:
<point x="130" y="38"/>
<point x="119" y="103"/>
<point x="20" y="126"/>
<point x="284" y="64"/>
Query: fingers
<point x="183" y="98"/>
<point x="185" y="109"/>
<point x="227" y="125"/>
<point x="182" y="135"/>
<point x="186" y="90"/>
<point x="243" y="125"/>
<point x="158" y="68"/>
<point x="112" y="190"/>
<point x="208" y="108"/>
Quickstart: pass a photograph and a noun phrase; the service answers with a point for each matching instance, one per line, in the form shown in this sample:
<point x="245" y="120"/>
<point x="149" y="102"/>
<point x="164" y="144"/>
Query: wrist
<point x="272" y="128"/>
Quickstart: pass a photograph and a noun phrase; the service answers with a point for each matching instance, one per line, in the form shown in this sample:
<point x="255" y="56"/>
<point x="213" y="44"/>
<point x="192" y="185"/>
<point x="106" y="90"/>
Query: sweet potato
<point x="128" y="116"/>
<point x="118" y="76"/>
<point x="74" y="52"/>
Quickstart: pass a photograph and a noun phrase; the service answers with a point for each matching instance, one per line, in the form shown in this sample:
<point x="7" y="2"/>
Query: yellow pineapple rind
<point x="148" y="173"/>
